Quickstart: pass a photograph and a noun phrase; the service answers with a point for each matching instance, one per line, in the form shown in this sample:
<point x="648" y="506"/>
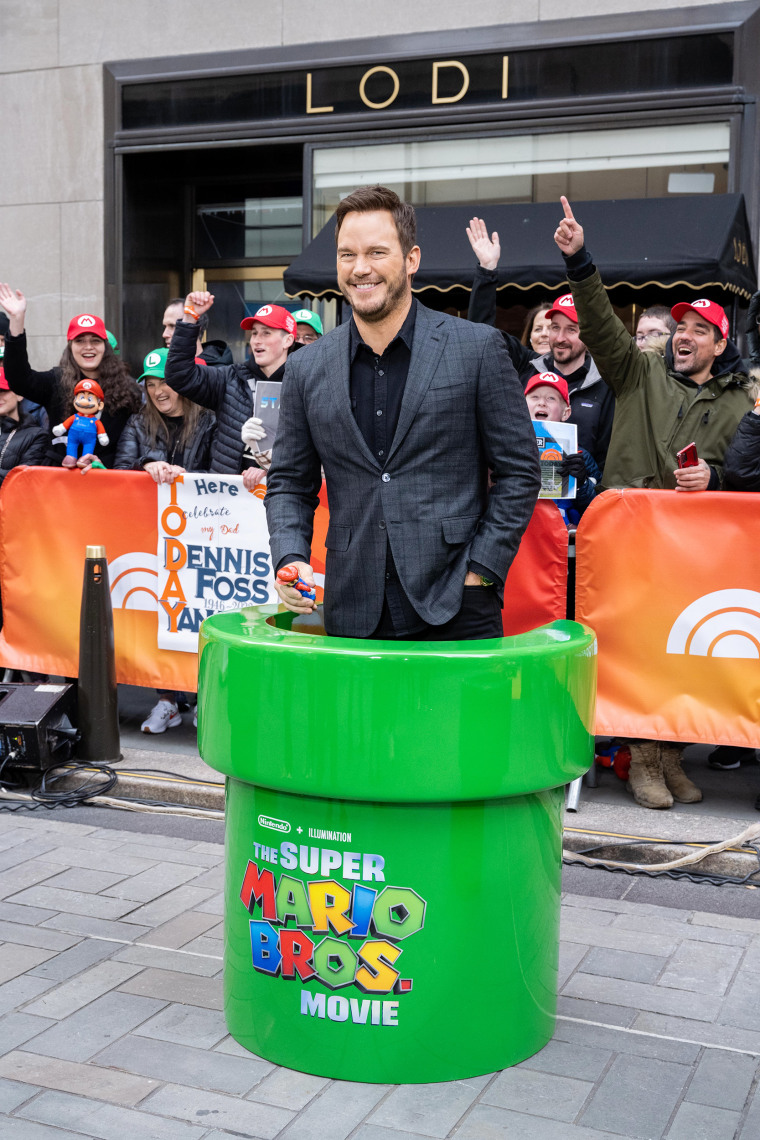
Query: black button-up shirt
<point x="377" y="384"/>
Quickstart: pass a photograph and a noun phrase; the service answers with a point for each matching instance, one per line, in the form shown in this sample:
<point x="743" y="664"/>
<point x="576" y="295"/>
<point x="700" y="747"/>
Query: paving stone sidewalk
<point x="111" y="1023"/>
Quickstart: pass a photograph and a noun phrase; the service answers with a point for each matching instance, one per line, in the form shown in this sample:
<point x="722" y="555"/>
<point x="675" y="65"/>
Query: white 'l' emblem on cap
<point x="153" y="359"/>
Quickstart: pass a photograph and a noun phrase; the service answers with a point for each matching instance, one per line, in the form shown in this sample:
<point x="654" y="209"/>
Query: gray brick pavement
<point x="111" y="1023"/>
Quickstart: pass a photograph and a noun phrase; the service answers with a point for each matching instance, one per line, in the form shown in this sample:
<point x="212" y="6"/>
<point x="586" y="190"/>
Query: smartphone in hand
<point x="687" y="456"/>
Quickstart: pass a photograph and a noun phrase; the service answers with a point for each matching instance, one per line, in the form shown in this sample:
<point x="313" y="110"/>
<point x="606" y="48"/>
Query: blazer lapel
<point x="336" y="368"/>
<point x="427" y="346"/>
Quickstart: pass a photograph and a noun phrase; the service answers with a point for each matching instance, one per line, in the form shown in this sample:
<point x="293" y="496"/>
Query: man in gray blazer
<point x="407" y="410"/>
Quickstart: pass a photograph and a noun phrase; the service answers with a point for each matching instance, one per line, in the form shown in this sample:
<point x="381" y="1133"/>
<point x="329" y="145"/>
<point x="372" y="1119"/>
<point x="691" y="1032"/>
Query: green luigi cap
<point x="113" y="342"/>
<point x="306" y="317"/>
<point x="155" y="363"/>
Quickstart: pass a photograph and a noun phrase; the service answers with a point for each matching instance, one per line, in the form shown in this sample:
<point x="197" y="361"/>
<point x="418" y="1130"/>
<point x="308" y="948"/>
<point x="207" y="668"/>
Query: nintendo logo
<point x="274" y="824"/>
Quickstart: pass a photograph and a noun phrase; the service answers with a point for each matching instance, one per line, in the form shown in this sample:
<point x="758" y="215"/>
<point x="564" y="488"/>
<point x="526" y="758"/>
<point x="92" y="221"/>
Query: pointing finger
<point x="567" y="209"/>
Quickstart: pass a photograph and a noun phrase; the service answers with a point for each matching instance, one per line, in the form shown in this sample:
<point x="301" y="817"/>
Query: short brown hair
<point x="368" y="198"/>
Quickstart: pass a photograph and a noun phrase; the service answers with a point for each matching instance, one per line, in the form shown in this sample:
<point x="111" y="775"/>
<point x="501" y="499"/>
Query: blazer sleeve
<point x="295" y="476"/>
<point x="512" y="455"/>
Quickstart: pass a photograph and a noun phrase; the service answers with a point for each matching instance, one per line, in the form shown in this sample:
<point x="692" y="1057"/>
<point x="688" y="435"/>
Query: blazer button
<point x="381" y="524"/>
<point x="386" y="477"/>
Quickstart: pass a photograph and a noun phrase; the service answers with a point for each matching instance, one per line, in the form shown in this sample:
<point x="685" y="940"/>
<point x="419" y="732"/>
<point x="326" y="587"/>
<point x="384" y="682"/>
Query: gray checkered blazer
<point x="463" y="413"/>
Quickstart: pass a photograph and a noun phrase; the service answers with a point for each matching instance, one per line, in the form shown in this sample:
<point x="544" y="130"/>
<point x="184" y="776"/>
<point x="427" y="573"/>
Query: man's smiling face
<point x="695" y="347"/>
<point x="373" y="274"/>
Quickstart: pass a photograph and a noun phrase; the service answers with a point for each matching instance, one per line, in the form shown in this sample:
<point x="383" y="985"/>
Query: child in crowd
<point x="547" y="397"/>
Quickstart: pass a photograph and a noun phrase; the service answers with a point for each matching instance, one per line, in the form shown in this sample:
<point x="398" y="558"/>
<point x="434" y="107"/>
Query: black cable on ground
<point x="100" y="780"/>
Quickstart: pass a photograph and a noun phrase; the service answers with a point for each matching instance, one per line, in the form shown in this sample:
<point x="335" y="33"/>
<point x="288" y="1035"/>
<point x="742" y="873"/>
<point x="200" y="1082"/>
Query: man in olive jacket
<point x="662" y="403"/>
<point x="692" y="395"/>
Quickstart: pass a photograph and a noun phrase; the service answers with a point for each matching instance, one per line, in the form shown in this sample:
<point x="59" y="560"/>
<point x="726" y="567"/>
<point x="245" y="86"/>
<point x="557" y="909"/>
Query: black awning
<point x="698" y="242"/>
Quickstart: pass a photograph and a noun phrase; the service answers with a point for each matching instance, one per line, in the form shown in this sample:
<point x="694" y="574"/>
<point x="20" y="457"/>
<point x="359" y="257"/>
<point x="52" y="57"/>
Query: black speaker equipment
<point x="36" y="725"/>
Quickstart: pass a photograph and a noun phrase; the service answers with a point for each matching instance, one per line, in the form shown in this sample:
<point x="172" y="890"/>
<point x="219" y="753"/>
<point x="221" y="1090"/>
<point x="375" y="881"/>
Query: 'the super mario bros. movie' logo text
<point x="320" y="930"/>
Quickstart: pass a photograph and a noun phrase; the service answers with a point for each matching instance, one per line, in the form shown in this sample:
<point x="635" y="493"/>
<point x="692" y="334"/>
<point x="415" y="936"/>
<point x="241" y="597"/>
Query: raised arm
<point x="204" y="384"/>
<point x="41" y="387"/>
<point x="482" y="308"/>
<point x="621" y="364"/>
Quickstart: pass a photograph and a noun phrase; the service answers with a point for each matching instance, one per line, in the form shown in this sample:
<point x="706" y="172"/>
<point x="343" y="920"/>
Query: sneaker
<point x="163" y="715"/>
<point x="195" y="717"/>
<point x="726" y="757"/>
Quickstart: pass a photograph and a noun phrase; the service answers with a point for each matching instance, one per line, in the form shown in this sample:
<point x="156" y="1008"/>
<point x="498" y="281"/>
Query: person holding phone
<point x="696" y="394"/>
<point x="692" y="399"/>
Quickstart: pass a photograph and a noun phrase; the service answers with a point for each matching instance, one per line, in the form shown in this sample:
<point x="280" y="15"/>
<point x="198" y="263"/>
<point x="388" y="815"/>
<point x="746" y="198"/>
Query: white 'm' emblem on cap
<point x="701" y="304"/>
<point x="86" y="322"/>
<point x="264" y="311"/>
<point x="566" y="300"/>
<point x="549" y="377"/>
<point x="86" y="385"/>
<point x="153" y="359"/>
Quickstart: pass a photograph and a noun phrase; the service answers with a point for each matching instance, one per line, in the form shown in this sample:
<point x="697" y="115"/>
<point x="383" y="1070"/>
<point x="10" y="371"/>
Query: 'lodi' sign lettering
<point x="440" y="85"/>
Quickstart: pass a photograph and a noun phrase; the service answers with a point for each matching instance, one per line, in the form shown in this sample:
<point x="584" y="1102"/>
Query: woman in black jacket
<point x="87" y="354"/>
<point x="170" y="434"/>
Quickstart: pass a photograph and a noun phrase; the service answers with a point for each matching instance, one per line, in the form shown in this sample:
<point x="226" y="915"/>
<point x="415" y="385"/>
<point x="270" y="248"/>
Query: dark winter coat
<point x="216" y="352"/>
<point x="741" y="468"/>
<point x="21" y="442"/>
<point x="226" y="389"/>
<point x="45" y="389"/>
<point x="135" y="448"/>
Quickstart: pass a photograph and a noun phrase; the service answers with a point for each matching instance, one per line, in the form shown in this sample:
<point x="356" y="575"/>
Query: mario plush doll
<point x="84" y="428"/>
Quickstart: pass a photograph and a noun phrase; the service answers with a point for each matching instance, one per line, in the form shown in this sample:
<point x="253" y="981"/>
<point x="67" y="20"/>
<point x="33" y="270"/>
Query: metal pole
<point x="98" y="705"/>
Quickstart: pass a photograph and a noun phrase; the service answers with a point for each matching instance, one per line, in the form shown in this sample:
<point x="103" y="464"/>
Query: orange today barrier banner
<point x="48" y="516"/>
<point x="670" y="582"/>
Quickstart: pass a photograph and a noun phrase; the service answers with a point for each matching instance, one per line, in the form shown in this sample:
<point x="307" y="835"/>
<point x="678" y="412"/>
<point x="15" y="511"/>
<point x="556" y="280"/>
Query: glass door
<point x="238" y="293"/>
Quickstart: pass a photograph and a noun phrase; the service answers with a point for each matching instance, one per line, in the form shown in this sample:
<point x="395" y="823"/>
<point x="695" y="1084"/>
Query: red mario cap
<point x="4" y="385"/>
<point x="274" y="316"/>
<point x="565" y="305"/>
<point x="91" y="386"/>
<point x="86" y="323"/>
<point x="709" y="310"/>
<point x="552" y="380"/>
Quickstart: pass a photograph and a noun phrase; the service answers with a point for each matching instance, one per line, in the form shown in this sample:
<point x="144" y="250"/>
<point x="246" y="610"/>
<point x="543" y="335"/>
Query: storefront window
<point x="637" y="162"/>
<point x="253" y="228"/>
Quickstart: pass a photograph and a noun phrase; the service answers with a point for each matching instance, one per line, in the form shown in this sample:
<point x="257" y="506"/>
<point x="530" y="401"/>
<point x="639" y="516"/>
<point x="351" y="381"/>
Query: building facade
<point x="156" y="147"/>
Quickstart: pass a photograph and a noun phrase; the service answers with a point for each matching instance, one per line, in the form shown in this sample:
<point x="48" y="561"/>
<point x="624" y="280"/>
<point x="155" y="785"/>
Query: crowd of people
<point x="637" y="401"/>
